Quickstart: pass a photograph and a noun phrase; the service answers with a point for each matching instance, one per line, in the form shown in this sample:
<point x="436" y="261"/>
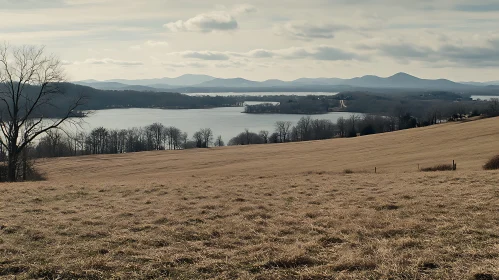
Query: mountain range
<point x="399" y="80"/>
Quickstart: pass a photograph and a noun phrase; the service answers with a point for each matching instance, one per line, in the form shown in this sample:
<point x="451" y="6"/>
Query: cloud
<point x="322" y="52"/>
<point x="406" y="50"/>
<point x="209" y="22"/>
<point x="261" y="53"/>
<point x="66" y="62"/>
<point x="30" y="4"/>
<point x="205" y="55"/>
<point x="150" y="44"/>
<point x="307" y="31"/>
<point x="481" y="8"/>
<point x="231" y="64"/>
<point x="485" y="54"/>
<point x="184" y="64"/>
<point x="316" y="53"/>
<point x="331" y="53"/>
<point x="244" y="9"/>
<point x="470" y="55"/>
<point x="103" y="61"/>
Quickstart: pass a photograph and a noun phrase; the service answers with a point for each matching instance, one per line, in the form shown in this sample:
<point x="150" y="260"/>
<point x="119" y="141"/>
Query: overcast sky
<point x="259" y="40"/>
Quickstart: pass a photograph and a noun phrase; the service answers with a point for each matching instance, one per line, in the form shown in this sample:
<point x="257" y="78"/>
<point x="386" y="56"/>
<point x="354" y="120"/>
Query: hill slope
<point x="263" y="212"/>
<point x="470" y="144"/>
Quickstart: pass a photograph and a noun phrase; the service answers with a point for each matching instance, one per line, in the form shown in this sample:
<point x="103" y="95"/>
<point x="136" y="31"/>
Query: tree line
<point x="100" y="140"/>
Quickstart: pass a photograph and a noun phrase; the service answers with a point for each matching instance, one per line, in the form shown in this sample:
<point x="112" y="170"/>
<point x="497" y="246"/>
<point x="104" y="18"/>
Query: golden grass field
<point x="285" y="211"/>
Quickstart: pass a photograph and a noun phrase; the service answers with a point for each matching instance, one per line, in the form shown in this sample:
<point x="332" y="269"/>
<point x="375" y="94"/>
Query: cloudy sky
<point x="259" y="40"/>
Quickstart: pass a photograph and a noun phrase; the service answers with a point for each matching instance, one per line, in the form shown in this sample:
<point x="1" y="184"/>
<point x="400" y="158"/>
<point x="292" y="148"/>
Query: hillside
<point x="470" y="144"/>
<point x="285" y="211"/>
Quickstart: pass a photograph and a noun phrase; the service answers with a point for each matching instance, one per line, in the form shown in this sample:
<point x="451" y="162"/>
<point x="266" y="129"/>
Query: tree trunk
<point x="25" y="165"/>
<point x="12" y="168"/>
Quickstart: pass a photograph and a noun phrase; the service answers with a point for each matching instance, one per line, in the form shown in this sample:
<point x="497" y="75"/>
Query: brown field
<point x="284" y="211"/>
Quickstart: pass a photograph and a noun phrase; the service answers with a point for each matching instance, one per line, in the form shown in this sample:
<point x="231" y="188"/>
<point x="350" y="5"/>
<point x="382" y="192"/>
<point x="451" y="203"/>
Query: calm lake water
<point x="261" y="93"/>
<point x="227" y="122"/>
<point x="484" y="97"/>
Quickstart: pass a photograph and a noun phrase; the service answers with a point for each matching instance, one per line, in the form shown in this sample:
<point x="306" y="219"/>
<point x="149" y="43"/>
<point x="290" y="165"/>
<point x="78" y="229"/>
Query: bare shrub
<point x="492" y="164"/>
<point x="440" y="167"/>
<point x="348" y="171"/>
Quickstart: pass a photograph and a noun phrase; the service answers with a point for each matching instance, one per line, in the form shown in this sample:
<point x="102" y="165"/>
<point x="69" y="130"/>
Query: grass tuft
<point x="327" y="241"/>
<point x="387" y="207"/>
<point x="440" y="167"/>
<point x="351" y="266"/>
<point x="484" y="276"/>
<point x="292" y="262"/>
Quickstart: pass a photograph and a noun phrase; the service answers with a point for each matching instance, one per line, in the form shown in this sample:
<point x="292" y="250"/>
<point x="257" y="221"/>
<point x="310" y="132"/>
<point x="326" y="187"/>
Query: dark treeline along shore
<point x="381" y="102"/>
<point x="419" y="104"/>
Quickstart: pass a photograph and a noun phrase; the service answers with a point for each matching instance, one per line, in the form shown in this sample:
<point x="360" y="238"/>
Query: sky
<point x="260" y="40"/>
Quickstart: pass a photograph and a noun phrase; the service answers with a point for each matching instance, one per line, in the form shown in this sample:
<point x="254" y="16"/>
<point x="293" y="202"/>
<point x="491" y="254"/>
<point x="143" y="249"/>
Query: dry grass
<point x="269" y="212"/>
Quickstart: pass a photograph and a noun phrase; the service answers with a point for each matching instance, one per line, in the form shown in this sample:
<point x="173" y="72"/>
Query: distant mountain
<point x="274" y="83"/>
<point x="114" y="86"/>
<point x="237" y="82"/>
<point x="402" y="80"/>
<point x="184" y="80"/>
<point x="478" y="84"/>
<point x="482" y="84"/>
<point x="191" y="82"/>
<point x="320" y="81"/>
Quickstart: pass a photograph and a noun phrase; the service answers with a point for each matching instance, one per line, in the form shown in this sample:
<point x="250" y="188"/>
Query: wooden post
<point x="375" y="170"/>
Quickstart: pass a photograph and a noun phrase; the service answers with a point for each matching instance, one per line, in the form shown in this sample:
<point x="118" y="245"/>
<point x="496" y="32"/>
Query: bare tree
<point x="341" y="123"/>
<point x="283" y="130"/>
<point x="198" y="139"/>
<point x="494" y="107"/>
<point x="219" y="142"/>
<point x="30" y="84"/>
<point x="157" y="131"/>
<point x="303" y="129"/>
<point x="265" y="136"/>
<point x="246" y="138"/>
<point x="207" y="135"/>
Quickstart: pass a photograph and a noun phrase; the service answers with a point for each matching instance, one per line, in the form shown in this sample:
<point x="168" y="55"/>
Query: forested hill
<point x="105" y="99"/>
<point x="95" y="99"/>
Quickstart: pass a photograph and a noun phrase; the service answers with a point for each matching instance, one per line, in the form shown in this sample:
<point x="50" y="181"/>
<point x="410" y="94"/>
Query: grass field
<point x="284" y="211"/>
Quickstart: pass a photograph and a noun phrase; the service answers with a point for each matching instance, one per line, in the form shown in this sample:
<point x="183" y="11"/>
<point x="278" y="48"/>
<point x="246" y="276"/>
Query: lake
<point x="262" y="93"/>
<point x="484" y="97"/>
<point x="227" y="122"/>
